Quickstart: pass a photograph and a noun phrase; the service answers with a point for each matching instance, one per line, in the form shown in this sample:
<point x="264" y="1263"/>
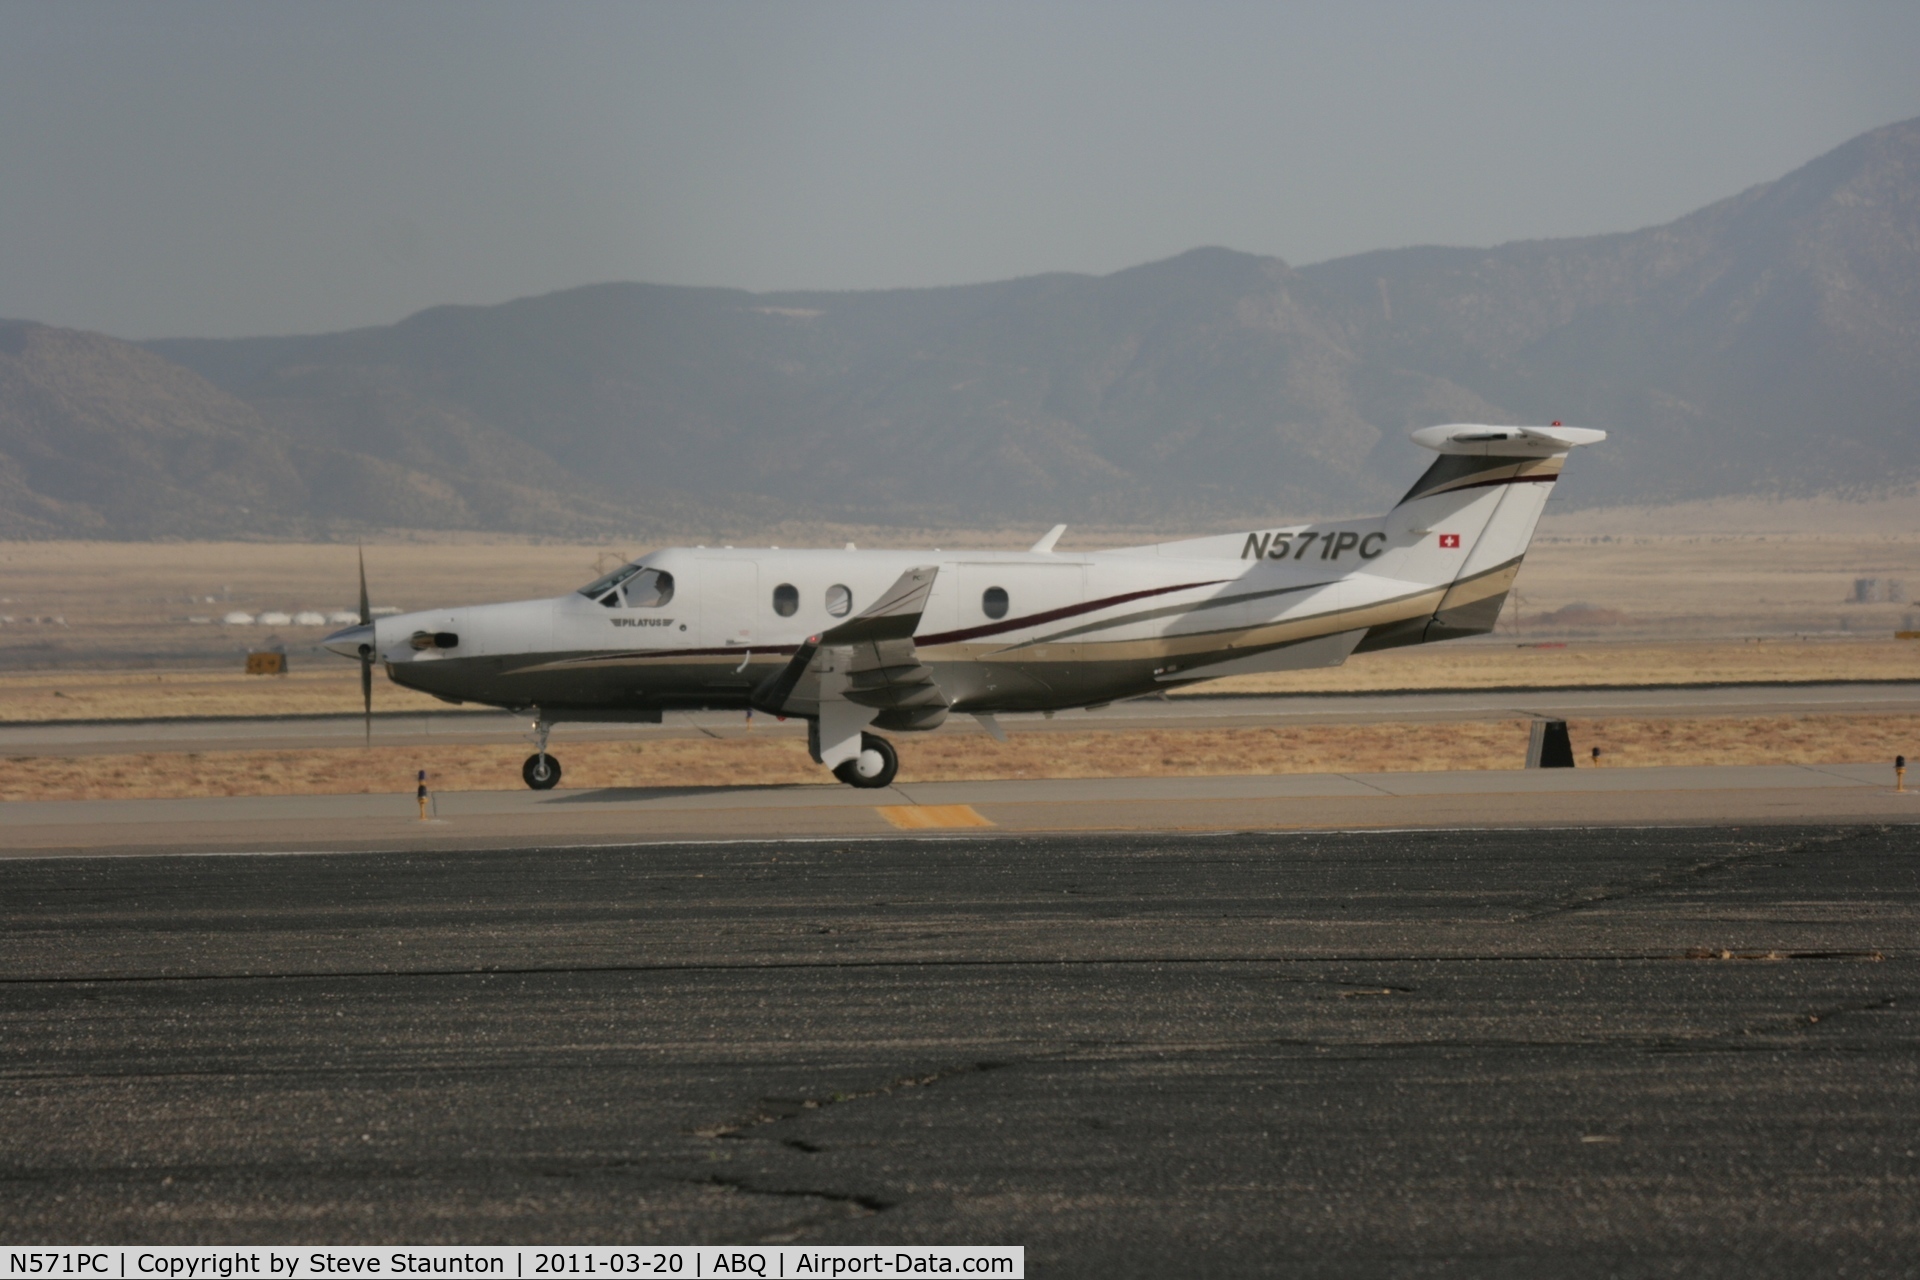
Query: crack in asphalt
<point x="1766" y="1036"/>
<point x="1827" y="1015"/>
<point x="1661" y="881"/>
<point x="848" y="1204"/>
<point x="872" y="1204"/>
<point x="775" y="1110"/>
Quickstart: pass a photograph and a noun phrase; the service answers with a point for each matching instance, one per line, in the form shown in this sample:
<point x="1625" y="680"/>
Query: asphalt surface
<point x="1508" y="1053"/>
<point x="1210" y="711"/>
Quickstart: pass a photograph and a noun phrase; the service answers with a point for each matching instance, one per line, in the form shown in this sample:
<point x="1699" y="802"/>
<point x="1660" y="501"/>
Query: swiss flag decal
<point x="1449" y="540"/>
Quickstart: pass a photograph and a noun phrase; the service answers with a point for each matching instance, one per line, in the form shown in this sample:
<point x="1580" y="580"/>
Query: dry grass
<point x="1730" y="740"/>
<point x="1718" y="584"/>
<point x="960" y="757"/>
<point x="147" y="695"/>
<point x="1481" y="665"/>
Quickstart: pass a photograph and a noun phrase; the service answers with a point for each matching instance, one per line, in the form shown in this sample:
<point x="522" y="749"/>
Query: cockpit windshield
<point x="631" y="586"/>
<point x="600" y="586"/>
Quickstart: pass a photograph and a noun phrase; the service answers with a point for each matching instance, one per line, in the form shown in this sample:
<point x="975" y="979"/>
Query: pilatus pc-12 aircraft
<point x="856" y="642"/>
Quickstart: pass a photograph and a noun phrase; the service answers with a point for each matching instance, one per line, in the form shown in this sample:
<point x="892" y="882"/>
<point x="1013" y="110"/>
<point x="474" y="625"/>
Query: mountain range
<point x="1768" y="343"/>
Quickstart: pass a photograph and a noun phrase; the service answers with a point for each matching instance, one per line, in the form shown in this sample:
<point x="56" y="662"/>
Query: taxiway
<point x="1736" y="795"/>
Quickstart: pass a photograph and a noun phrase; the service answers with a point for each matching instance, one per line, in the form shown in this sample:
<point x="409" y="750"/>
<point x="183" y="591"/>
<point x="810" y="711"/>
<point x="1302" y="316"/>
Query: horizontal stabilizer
<point x="1474" y="457"/>
<point x="1505" y="442"/>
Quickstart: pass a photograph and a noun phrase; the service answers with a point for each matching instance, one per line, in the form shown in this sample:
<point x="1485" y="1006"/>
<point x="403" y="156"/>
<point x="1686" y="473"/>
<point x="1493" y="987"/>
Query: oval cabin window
<point x="839" y="601"/>
<point x="993" y="602"/>
<point x="786" y="599"/>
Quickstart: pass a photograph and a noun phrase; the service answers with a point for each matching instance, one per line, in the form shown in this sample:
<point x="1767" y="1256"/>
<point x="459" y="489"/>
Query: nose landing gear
<point x="875" y="766"/>
<point x="541" y="770"/>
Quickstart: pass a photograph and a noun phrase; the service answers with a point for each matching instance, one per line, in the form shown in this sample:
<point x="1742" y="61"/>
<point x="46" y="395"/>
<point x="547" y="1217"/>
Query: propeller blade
<point x="366" y="650"/>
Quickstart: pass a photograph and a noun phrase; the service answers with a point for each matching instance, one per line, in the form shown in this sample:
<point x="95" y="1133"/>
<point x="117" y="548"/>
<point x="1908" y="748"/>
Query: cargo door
<point x="730" y="602"/>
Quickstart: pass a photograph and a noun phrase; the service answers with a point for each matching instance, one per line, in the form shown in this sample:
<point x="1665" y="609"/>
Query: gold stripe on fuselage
<point x="1233" y="642"/>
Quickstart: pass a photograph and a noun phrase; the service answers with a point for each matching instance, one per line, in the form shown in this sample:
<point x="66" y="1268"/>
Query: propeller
<point x="358" y="642"/>
<point x="366" y="650"/>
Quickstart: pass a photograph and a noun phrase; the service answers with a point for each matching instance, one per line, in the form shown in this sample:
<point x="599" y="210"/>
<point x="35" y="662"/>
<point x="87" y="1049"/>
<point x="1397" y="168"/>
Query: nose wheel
<point x="875" y="766"/>
<point x="541" y="770"/>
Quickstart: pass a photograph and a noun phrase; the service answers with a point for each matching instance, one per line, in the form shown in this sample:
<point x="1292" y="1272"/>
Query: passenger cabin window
<point x="993" y="602"/>
<point x="631" y="587"/>
<point x="839" y="601"/>
<point x="786" y="599"/>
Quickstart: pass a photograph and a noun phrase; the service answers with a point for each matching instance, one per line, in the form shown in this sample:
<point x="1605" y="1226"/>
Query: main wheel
<point x="873" y="767"/>
<point x="541" y="771"/>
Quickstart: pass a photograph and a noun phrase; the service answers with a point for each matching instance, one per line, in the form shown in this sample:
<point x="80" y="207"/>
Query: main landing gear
<point x="875" y="766"/>
<point x="541" y="770"/>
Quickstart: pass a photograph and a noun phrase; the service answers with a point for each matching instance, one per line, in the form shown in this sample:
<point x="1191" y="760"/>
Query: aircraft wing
<point x="848" y="674"/>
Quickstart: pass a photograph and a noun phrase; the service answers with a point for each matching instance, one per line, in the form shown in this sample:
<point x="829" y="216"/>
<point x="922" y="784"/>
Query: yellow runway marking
<point x="919" y="817"/>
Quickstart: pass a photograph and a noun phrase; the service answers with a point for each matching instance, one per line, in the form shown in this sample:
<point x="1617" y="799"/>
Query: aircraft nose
<point x="348" y="642"/>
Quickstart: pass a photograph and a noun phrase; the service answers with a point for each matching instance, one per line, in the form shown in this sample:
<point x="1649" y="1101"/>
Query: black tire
<point x="848" y="771"/>
<point x="542" y="772"/>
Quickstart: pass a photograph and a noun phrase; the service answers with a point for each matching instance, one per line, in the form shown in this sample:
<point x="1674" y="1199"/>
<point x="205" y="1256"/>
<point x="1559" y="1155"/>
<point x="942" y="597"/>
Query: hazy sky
<point x="259" y="167"/>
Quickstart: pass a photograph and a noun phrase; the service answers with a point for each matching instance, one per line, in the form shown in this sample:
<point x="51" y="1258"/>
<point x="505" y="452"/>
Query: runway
<point x="101" y="737"/>
<point x="1510" y="1053"/>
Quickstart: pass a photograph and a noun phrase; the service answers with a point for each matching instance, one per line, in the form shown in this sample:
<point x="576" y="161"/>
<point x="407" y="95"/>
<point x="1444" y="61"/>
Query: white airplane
<point x="857" y="641"/>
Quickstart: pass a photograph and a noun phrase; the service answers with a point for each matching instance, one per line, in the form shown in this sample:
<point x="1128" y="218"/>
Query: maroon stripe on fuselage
<point x="1054" y="615"/>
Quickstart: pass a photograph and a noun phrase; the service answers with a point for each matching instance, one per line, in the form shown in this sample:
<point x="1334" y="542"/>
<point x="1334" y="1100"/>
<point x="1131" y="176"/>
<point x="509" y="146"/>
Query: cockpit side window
<point x="649" y="590"/>
<point x="631" y="586"/>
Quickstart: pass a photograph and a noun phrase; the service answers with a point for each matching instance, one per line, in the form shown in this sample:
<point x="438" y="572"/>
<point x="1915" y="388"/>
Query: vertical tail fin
<point x="1474" y="513"/>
